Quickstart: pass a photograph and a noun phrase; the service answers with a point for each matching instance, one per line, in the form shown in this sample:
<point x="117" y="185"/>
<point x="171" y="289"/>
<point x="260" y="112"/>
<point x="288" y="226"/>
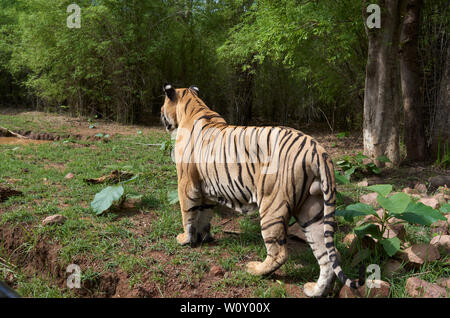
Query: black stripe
<point x="315" y="219"/>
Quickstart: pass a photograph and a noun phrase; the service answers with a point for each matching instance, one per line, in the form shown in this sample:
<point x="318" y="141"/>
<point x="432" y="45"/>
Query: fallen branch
<point x="10" y="132"/>
<point x="232" y="232"/>
<point x="150" y="145"/>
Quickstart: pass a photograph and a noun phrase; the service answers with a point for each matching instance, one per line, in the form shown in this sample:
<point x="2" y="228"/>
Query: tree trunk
<point x="243" y="101"/>
<point x="441" y="130"/>
<point x="381" y="98"/>
<point x="410" y="80"/>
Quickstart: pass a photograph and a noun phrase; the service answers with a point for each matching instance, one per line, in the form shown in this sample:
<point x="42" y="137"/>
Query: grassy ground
<point x="131" y="250"/>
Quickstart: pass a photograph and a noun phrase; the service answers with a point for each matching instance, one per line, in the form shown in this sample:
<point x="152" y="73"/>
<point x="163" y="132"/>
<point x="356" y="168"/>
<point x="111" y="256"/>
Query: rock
<point x="382" y="291"/>
<point x="419" y="253"/>
<point x="363" y="183"/>
<point x="131" y="203"/>
<point x="348" y="239"/>
<point x="216" y="271"/>
<point x="417" y="287"/>
<point x="54" y="219"/>
<point x="296" y="230"/>
<point x="432" y="202"/>
<point x="409" y="191"/>
<point x="392" y="267"/>
<point x="439" y="181"/>
<point x="70" y="175"/>
<point x="370" y="199"/>
<point x="442" y="242"/>
<point x="397" y="230"/>
<point x="420" y="187"/>
<point x="441" y="197"/>
<point x="444" y="282"/>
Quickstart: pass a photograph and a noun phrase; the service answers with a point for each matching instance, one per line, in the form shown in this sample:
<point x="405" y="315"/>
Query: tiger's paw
<point x="311" y="291"/>
<point x="182" y="239"/>
<point x="255" y="268"/>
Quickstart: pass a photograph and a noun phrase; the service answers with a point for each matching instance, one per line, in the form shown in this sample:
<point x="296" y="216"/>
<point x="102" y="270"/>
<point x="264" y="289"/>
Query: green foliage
<point x="104" y="199"/>
<point x="399" y="206"/>
<point x="355" y="165"/>
<point x="172" y="196"/>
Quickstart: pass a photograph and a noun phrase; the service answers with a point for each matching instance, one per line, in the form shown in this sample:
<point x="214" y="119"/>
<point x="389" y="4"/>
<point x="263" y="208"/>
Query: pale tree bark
<point x="381" y="98"/>
<point x="414" y="135"/>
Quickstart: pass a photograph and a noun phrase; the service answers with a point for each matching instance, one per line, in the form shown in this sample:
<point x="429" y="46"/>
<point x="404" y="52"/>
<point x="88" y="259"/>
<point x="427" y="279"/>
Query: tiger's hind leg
<point x="273" y="228"/>
<point x="190" y="204"/>
<point x="310" y="218"/>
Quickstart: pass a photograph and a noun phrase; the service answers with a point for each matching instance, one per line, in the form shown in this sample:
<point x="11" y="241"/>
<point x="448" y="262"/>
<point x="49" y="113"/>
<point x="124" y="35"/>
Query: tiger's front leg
<point x="196" y="216"/>
<point x="197" y="226"/>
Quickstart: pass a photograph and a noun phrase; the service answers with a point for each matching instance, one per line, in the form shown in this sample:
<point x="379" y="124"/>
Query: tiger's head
<point x="172" y="100"/>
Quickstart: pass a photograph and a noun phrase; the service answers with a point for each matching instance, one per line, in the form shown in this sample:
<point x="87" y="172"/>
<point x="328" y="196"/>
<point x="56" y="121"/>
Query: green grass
<point x="116" y="241"/>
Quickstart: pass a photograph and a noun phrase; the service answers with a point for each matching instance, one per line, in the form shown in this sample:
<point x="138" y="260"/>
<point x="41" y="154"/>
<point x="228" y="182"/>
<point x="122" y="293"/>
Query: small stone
<point x="54" y="219"/>
<point x="397" y="230"/>
<point x="409" y="191"/>
<point x="380" y="289"/>
<point x="363" y="183"/>
<point x="216" y="271"/>
<point x="370" y="199"/>
<point x="70" y="175"/>
<point x="441" y="197"/>
<point x="419" y="253"/>
<point x="442" y="242"/>
<point x="439" y="181"/>
<point x="392" y="267"/>
<point x="420" y="187"/>
<point x="348" y="239"/>
<point x="417" y="287"/>
<point x="444" y="282"/>
<point x="131" y="203"/>
<point x="432" y="202"/>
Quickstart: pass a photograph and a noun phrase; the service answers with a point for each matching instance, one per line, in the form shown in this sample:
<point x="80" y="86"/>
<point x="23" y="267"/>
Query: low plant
<point x="351" y="165"/>
<point x="397" y="208"/>
<point x="104" y="199"/>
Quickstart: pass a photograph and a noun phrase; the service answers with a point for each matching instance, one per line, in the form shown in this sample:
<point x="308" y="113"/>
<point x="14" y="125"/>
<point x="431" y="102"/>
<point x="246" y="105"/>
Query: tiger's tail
<point x="328" y="186"/>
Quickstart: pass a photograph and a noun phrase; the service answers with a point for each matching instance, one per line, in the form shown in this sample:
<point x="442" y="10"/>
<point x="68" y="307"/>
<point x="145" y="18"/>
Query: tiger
<point x="278" y="171"/>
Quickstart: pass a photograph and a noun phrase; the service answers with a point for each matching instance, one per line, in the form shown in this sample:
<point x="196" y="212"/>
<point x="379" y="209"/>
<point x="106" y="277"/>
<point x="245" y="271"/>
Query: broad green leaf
<point x="355" y="210"/>
<point x="391" y="245"/>
<point x="383" y="159"/>
<point x="419" y="213"/>
<point x="383" y="189"/>
<point x="395" y="204"/>
<point x="340" y="178"/>
<point x="373" y="168"/>
<point x="105" y="198"/>
<point x="360" y="157"/>
<point x="445" y="208"/>
<point x="365" y="229"/>
<point x="172" y="196"/>
<point x="348" y="173"/>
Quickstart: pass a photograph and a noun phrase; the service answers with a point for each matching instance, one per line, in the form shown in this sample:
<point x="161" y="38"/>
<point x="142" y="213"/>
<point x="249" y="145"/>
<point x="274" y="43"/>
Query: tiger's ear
<point x="195" y="89"/>
<point x="170" y="91"/>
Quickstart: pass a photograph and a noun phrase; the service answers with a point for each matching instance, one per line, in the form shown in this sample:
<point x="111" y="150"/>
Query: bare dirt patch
<point x="6" y="193"/>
